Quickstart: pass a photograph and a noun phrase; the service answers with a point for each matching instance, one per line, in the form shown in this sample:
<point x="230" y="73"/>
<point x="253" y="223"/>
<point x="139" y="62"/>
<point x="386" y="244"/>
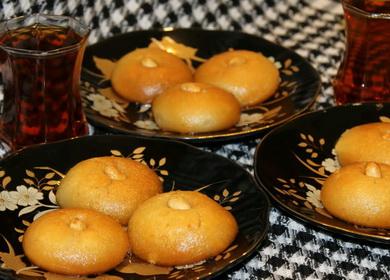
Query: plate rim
<point x="206" y="138"/>
<point x="254" y="184"/>
<point x="296" y="214"/>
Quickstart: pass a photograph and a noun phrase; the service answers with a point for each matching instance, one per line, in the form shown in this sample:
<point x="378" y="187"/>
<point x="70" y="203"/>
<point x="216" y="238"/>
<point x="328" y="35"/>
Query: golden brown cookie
<point x="179" y="228"/>
<point x="195" y="108"/>
<point x="144" y="73"/>
<point x="366" y="142"/>
<point x="250" y="76"/>
<point x="359" y="193"/>
<point x="112" y="185"/>
<point x="75" y="242"/>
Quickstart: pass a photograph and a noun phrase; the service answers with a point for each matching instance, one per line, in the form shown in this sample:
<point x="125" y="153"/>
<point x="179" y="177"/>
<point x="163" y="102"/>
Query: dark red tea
<point x="364" y="74"/>
<point x="41" y="86"/>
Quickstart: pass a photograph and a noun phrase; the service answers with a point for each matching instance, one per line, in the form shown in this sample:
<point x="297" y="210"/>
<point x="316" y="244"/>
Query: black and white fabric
<point x="312" y="28"/>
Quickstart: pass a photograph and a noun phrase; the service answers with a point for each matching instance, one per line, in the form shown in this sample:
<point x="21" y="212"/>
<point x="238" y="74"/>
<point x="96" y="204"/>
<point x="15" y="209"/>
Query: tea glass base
<point x="6" y="146"/>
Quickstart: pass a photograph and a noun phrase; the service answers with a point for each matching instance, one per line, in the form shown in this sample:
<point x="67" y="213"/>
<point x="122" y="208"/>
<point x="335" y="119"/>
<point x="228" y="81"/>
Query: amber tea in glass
<point x="364" y="73"/>
<point x="40" y="63"/>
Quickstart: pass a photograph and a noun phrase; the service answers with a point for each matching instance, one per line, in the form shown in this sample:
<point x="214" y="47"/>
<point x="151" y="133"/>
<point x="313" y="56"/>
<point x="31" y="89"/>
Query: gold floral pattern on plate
<point x="298" y="87"/>
<point x="305" y="157"/>
<point x="28" y="191"/>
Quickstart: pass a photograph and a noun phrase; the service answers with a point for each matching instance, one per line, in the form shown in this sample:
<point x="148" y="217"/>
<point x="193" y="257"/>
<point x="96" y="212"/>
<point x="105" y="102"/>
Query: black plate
<point x="293" y="160"/>
<point x="298" y="89"/>
<point x="180" y="165"/>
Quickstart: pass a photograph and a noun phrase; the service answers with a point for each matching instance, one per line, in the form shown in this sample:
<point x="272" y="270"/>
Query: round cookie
<point x="359" y="193"/>
<point x="144" y="73"/>
<point x="366" y="142"/>
<point x="75" y="242"/>
<point x="112" y="185"/>
<point x="195" y="108"/>
<point x="179" y="228"/>
<point x="250" y="76"/>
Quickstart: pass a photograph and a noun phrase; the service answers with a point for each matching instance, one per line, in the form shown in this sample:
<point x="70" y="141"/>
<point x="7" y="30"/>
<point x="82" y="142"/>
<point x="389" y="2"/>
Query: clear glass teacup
<point x="364" y="73"/>
<point x="40" y="64"/>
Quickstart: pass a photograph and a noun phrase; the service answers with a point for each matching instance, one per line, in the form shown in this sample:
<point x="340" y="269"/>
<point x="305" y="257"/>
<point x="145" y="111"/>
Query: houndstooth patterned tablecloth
<point x="314" y="29"/>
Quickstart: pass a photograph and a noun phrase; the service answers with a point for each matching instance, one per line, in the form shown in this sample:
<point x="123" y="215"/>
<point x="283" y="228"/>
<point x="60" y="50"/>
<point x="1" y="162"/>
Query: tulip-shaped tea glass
<point x="364" y="73"/>
<point x="40" y="64"/>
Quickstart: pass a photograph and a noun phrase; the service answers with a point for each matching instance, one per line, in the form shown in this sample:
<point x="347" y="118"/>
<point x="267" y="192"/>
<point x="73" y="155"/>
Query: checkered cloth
<point x="313" y="29"/>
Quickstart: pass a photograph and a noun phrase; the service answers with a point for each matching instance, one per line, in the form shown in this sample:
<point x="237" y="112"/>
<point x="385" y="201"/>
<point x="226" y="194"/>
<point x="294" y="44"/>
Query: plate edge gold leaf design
<point x="321" y="171"/>
<point x="47" y="183"/>
<point x="249" y="120"/>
